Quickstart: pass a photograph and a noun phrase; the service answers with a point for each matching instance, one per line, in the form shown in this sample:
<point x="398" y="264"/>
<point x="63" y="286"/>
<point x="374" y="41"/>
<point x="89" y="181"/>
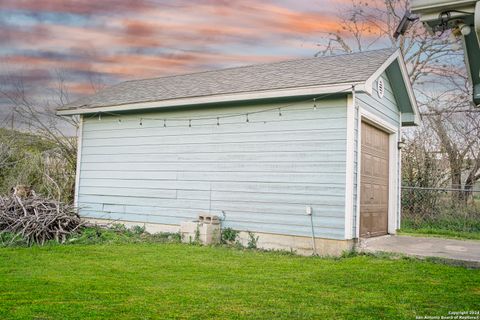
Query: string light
<point x="231" y="115"/>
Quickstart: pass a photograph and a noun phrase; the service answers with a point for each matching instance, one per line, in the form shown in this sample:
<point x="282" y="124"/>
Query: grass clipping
<point x="37" y="220"/>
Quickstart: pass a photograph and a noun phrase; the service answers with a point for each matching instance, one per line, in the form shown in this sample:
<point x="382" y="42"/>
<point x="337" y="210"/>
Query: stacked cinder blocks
<point x="205" y="230"/>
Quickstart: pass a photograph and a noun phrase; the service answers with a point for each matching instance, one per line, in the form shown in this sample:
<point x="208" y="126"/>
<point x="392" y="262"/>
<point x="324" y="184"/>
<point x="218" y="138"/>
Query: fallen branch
<point x="37" y="219"/>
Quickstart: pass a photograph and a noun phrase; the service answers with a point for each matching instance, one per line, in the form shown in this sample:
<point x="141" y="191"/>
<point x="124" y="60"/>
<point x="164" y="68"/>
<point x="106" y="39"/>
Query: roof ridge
<point x="391" y="49"/>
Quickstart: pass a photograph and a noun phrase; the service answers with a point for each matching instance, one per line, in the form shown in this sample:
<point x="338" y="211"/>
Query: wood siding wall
<point x="261" y="174"/>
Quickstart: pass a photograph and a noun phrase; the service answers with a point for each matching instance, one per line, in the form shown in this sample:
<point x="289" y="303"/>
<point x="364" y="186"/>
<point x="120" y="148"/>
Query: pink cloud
<point x="78" y="6"/>
<point x="135" y="39"/>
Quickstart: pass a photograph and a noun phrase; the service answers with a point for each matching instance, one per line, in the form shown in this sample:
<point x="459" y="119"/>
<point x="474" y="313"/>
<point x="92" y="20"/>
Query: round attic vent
<point x="380" y="87"/>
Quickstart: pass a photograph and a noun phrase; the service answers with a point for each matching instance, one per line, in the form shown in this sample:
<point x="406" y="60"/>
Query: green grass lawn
<point x="435" y="232"/>
<point x="157" y="281"/>
<point x="451" y="226"/>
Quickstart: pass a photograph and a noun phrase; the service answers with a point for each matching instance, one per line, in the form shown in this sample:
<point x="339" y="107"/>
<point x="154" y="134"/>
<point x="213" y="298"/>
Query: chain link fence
<point x="441" y="209"/>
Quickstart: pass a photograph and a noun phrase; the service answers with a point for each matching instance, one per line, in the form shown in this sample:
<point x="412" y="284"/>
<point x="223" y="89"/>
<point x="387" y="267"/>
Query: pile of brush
<point x="37" y="219"/>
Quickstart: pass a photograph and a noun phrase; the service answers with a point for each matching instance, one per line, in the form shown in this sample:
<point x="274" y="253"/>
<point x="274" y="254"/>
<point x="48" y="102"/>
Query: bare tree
<point x="52" y="170"/>
<point x="422" y="163"/>
<point x="434" y="63"/>
<point x="39" y="116"/>
<point x="457" y="127"/>
<point x="366" y="24"/>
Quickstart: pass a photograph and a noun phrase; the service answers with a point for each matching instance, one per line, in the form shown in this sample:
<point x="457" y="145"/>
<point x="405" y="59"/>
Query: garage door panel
<point x="374" y="181"/>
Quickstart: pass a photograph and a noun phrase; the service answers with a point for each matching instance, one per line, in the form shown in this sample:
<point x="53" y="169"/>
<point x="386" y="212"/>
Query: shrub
<point x="229" y="235"/>
<point x="31" y="160"/>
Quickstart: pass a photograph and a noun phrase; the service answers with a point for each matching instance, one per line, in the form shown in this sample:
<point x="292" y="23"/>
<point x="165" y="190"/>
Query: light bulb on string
<point x="247" y="115"/>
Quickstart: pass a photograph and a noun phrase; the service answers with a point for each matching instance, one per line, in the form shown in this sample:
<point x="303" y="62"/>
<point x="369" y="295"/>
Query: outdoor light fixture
<point x="461" y="29"/>
<point x="462" y="17"/>
<point x="401" y="144"/>
<point x="464" y="29"/>
<point x="404" y="24"/>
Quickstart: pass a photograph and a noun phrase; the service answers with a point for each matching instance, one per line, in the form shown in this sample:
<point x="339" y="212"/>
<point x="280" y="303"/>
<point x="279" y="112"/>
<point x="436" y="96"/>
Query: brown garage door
<point x="374" y="182"/>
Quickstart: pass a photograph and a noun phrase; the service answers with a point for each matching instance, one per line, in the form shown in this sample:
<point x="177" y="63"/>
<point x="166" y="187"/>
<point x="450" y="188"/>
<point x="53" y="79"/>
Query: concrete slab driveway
<point x="467" y="251"/>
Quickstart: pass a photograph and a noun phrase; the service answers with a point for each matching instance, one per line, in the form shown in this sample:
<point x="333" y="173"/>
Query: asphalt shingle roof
<point x="346" y="68"/>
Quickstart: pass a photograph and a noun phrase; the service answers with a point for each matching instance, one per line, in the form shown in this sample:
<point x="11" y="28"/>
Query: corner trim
<point x="359" y="171"/>
<point x="79" y="161"/>
<point x="350" y="159"/>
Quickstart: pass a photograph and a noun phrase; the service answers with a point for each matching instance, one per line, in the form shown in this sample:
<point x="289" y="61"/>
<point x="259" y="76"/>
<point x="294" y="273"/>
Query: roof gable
<point x="397" y="73"/>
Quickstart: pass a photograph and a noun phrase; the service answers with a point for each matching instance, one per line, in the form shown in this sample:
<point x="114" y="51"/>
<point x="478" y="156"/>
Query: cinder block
<point x="206" y="233"/>
<point x="188" y="226"/>
<point x="188" y="231"/>
<point x="210" y="238"/>
<point x="209" y="233"/>
<point x="208" y="228"/>
<point x="208" y="219"/>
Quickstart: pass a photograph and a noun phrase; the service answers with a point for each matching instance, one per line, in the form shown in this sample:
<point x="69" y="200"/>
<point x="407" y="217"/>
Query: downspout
<point x="314" y="245"/>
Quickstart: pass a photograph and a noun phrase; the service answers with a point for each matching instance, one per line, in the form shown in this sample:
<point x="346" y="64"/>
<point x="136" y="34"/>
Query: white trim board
<point x="411" y="94"/>
<point x="359" y="167"/>
<point x="350" y="170"/>
<point x="222" y="98"/>
<point x="374" y="120"/>
<point x="79" y="160"/>
<point x="380" y="71"/>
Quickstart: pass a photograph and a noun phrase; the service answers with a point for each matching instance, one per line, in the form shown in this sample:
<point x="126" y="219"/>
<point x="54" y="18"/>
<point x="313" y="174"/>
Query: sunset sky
<point x="108" y="41"/>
